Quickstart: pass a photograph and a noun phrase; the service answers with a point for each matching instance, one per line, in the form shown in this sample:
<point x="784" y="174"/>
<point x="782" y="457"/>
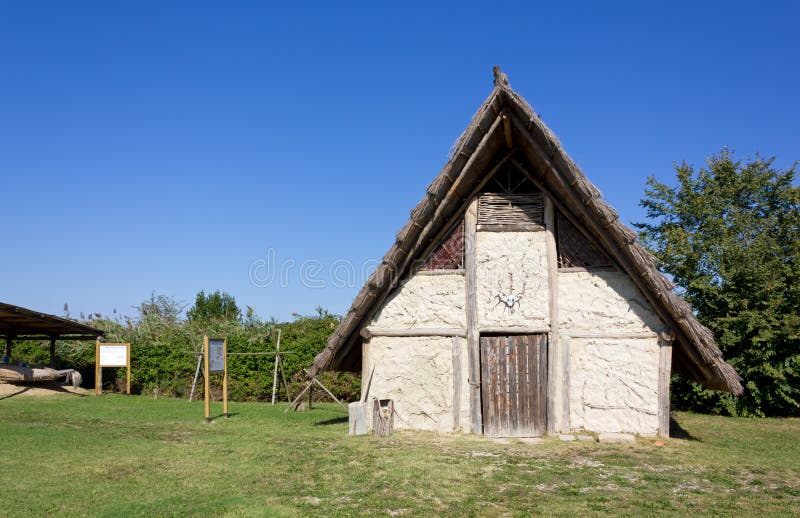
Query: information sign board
<point x="216" y="355"/>
<point x="113" y="355"/>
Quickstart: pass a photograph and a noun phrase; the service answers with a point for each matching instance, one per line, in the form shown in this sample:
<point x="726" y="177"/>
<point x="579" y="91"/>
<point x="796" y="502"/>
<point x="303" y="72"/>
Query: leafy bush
<point x="165" y="347"/>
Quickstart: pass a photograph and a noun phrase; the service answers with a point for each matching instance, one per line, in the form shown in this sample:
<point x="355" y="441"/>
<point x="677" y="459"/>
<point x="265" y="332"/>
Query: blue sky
<point x="170" y="147"/>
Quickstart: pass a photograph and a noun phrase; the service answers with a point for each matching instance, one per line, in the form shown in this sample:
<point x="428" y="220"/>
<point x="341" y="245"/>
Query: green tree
<point x="160" y="307"/>
<point x="217" y="306"/>
<point x="729" y="237"/>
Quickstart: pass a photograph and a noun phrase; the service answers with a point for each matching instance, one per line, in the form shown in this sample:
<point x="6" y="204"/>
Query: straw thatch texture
<point x="506" y="117"/>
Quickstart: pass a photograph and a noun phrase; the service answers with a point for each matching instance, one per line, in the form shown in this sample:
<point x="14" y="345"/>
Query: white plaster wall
<point x="417" y="373"/>
<point x="512" y="263"/>
<point x="603" y="302"/>
<point x="614" y="384"/>
<point x="425" y="301"/>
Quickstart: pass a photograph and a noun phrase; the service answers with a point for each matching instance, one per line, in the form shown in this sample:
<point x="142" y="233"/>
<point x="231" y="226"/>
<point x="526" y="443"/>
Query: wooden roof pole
<point x="53" y="350"/>
<point x="507" y="131"/>
<point x="9" y="341"/>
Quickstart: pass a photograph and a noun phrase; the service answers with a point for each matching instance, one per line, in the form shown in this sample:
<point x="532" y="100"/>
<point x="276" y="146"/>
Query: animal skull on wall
<point x="510" y="300"/>
<point x="507" y="297"/>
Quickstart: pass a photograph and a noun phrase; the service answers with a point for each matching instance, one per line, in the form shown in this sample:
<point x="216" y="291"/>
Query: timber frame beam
<point x="473" y="335"/>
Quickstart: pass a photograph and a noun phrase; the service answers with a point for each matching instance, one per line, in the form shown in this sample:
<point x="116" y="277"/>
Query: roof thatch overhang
<point x="25" y="324"/>
<point x="507" y="130"/>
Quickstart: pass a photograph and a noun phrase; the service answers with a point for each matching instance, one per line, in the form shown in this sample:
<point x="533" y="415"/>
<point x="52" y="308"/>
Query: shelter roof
<point x="21" y="323"/>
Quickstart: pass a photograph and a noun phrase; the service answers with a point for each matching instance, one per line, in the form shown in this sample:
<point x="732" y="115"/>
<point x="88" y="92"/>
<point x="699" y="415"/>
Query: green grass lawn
<point x="118" y="455"/>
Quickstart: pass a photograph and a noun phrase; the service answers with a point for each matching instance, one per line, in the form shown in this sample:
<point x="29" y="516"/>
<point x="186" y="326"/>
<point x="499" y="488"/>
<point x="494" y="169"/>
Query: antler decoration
<point x="508" y="298"/>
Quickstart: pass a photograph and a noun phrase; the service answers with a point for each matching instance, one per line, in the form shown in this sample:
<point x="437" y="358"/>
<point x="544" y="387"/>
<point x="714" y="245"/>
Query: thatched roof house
<point x="515" y="302"/>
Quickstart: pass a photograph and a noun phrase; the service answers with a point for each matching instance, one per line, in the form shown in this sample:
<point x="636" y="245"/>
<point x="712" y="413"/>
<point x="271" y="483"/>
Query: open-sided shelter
<point x="18" y="323"/>
<point x="514" y="302"/>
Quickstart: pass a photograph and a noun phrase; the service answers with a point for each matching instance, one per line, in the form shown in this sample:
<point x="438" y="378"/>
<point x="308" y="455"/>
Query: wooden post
<point x="285" y="384"/>
<point x="553" y="348"/>
<point x="9" y="341"/>
<point x="52" y="351"/>
<point x="664" y="373"/>
<point x="456" y="383"/>
<point x="98" y="371"/>
<point x="323" y="387"/>
<point x="295" y="400"/>
<point x="277" y="361"/>
<point x="383" y="417"/>
<point x="128" y="361"/>
<point x="473" y="337"/>
<point x="196" y="375"/>
<point x="206" y="384"/>
<point x="225" y="379"/>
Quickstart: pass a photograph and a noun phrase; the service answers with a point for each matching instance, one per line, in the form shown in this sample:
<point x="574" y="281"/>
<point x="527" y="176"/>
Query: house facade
<point x="514" y="303"/>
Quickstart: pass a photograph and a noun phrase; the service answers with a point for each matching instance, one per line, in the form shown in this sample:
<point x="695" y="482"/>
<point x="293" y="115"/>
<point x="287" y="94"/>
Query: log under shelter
<point x="514" y="302"/>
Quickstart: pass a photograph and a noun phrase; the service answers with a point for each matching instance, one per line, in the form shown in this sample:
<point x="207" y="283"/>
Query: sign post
<point x="215" y="359"/>
<point x="111" y="355"/>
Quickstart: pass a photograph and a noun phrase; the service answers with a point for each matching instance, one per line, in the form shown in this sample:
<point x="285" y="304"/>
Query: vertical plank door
<point x="514" y="385"/>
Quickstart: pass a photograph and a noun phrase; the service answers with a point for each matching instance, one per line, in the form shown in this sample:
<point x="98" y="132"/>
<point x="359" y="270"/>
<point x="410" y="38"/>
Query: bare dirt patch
<point x="51" y="388"/>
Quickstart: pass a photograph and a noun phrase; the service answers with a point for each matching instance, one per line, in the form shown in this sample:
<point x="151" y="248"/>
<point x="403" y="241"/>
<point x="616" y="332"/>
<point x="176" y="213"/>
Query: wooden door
<point x="514" y="385"/>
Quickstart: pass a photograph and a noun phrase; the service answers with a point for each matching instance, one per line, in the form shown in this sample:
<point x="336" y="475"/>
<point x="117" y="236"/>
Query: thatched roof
<point x="507" y="130"/>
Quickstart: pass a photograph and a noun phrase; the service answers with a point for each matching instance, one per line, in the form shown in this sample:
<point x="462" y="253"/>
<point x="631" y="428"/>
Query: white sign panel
<point x="113" y="355"/>
<point x="216" y="355"/>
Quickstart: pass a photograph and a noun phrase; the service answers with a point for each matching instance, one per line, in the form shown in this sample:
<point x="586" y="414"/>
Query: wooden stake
<point x="295" y="400"/>
<point x="277" y="362"/>
<point x="128" y="361"/>
<point x="196" y="375"/>
<point x="285" y="384"/>
<point x="323" y="387"/>
<point x="225" y="378"/>
<point x="206" y="384"/>
<point x="98" y="372"/>
<point x="310" y="389"/>
<point x="365" y="395"/>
